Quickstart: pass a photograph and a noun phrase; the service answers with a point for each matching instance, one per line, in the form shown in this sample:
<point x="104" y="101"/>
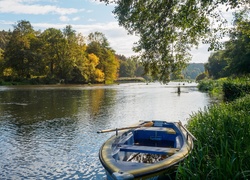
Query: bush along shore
<point x="223" y="132"/>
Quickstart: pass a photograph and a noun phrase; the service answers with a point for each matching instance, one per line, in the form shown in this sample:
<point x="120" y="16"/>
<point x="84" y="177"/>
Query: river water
<point x="49" y="132"/>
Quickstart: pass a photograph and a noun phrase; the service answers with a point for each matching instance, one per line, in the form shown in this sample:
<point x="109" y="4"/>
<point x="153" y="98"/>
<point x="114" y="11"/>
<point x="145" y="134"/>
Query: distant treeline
<point x="55" y="55"/>
<point x="131" y="68"/>
<point x="193" y="70"/>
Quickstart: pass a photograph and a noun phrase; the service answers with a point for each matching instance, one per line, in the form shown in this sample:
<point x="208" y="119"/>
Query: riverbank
<point x="9" y="81"/>
<point x="223" y="132"/>
<point x="129" y="79"/>
<point x="47" y="81"/>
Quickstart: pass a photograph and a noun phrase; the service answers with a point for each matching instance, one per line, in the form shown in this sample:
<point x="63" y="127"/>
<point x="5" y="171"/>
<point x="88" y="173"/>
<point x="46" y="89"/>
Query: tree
<point x="168" y="29"/>
<point x="99" y="38"/>
<point x="235" y="58"/>
<point x="237" y="49"/>
<point x="201" y="76"/>
<point x="90" y="71"/>
<point x="1" y="62"/>
<point x="22" y="50"/>
<point x="108" y="63"/>
<point x="4" y="39"/>
<point x="109" y="66"/>
<point x="69" y="54"/>
<point x="217" y="65"/>
<point x="64" y="52"/>
<point x="127" y="68"/>
<point x="52" y="44"/>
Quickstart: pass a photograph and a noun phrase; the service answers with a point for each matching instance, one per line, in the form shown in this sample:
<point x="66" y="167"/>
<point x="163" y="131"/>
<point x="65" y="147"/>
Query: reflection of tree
<point x="95" y="101"/>
<point x="30" y="105"/>
<point x="100" y="100"/>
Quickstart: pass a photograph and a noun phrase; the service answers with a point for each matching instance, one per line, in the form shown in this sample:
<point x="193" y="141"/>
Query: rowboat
<point x="149" y="150"/>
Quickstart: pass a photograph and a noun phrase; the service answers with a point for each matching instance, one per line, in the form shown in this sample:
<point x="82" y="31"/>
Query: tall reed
<point x="223" y="147"/>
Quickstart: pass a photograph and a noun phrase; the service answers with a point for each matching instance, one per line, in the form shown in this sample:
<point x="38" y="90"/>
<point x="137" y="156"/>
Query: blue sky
<point x="85" y="16"/>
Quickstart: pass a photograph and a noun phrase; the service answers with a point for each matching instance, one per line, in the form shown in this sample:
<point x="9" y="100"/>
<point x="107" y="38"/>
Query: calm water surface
<point x="49" y="132"/>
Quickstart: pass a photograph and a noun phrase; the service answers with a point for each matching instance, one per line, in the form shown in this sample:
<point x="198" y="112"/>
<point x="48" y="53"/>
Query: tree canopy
<point x="234" y="59"/>
<point x="57" y="54"/>
<point x="168" y="29"/>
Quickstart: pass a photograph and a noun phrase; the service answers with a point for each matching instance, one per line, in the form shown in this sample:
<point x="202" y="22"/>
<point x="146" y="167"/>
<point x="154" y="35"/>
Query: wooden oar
<point x="188" y="132"/>
<point x="146" y="124"/>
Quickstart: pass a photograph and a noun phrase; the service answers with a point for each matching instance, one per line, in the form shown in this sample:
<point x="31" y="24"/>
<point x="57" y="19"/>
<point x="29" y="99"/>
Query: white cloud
<point x="91" y="20"/>
<point x="100" y="3"/>
<point x="64" y="18"/>
<point x="6" y="22"/>
<point x="200" y="54"/>
<point x="22" y="7"/>
<point x="67" y="19"/>
<point x="96" y="2"/>
<point x="89" y="11"/>
<point x="44" y="26"/>
<point x="76" y="18"/>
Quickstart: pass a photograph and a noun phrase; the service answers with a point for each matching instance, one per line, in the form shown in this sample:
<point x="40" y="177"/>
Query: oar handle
<point x="145" y="124"/>
<point x="117" y="129"/>
<point x="188" y="132"/>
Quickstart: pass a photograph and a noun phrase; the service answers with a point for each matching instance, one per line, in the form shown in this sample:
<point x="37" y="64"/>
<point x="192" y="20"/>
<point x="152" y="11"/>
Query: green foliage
<point x="234" y="59"/>
<point x="210" y="86"/>
<point x="1" y="62"/>
<point x="4" y="39"/>
<point x="60" y="56"/>
<point x="127" y="68"/>
<point x="201" y="76"/>
<point x="130" y="79"/>
<point x="237" y="48"/>
<point x="217" y="65"/>
<point x="222" y="150"/>
<point x="169" y="29"/>
<point x="21" y="53"/>
<point x="236" y="88"/>
<point x="229" y="87"/>
<point x="130" y="67"/>
<point x="109" y="64"/>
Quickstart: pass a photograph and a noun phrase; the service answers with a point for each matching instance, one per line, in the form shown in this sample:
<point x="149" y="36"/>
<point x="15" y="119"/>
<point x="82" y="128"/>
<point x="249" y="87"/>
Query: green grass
<point x="223" y="147"/>
<point x="228" y="89"/>
<point x="214" y="87"/>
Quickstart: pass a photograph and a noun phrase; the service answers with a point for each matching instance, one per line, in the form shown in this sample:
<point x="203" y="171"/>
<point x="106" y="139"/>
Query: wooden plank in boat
<point x="148" y="149"/>
<point x="159" y="129"/>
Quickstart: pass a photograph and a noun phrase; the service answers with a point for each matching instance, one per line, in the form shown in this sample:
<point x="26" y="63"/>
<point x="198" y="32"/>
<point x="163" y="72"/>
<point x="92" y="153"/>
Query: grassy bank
<point x="223" y="149"/>
<point x="226" y="88"/>
<point x="129" y="79"/>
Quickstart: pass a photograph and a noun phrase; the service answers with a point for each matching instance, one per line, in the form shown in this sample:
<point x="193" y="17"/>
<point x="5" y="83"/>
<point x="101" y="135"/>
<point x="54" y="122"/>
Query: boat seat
<point x="148" y="149"/>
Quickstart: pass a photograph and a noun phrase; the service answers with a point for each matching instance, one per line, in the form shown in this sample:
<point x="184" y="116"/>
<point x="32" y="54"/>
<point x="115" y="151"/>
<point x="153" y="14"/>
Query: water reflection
<point x="30" y="106"/>
<point x="49" y="132"/>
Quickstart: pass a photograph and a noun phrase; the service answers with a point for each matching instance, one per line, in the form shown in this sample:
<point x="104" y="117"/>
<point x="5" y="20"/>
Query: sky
<point x="85" y="16"/>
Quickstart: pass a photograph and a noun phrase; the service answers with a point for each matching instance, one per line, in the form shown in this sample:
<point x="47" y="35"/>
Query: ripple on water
<point x="49" y="150"/>
<point x="58" y="140"/>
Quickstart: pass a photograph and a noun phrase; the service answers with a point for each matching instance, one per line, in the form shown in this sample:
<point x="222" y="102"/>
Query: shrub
<point x="235" y="89"/>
